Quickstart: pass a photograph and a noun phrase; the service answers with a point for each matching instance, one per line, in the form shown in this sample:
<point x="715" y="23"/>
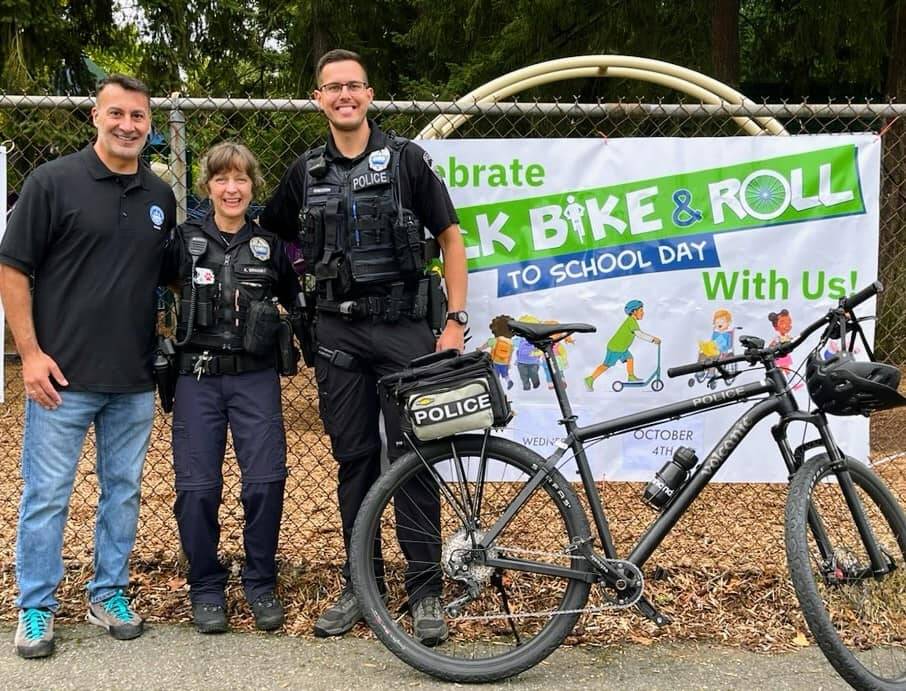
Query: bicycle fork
<point x="832" y="571"/>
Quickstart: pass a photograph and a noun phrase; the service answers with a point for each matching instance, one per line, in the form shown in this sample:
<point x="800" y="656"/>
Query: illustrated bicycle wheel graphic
<point x="765" y="194"/>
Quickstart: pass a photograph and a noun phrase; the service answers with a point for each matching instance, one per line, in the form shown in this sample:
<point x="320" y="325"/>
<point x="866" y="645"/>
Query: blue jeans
<point x="51" y="447"/>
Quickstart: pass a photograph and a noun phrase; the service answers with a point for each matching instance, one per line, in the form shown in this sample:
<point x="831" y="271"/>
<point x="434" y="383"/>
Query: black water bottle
<point x="668" y="480"/>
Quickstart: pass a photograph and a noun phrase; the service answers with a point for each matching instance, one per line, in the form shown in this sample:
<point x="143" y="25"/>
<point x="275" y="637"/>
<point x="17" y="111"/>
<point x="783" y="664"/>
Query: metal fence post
<point x="178" y="157"/>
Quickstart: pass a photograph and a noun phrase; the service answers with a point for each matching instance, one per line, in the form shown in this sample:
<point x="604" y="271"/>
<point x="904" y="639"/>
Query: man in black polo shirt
<point x="78" y="269"/>
<point x="365" y="200"/>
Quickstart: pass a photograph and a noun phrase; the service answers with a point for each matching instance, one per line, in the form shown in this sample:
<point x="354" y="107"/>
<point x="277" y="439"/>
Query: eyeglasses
<point x="334" y="88"/>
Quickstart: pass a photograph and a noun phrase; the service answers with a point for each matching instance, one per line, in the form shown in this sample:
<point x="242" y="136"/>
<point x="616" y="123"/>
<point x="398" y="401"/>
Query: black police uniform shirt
<point x="421" y="190"/>
<point x="93" y="241"/>
<point x="178" y="261"/>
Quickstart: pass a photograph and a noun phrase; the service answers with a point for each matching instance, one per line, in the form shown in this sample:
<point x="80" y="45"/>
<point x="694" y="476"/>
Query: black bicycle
<point x="516" y="557"/>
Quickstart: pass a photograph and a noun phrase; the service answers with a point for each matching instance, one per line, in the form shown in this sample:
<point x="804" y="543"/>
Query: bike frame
<point x="779" y="400"/>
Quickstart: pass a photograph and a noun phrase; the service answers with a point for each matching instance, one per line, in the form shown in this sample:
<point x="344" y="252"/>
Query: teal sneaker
<point x="116" y="616"/>
<point x="34" y="635"/>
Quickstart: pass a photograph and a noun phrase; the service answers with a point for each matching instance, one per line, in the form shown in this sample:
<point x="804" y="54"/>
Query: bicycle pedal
<point x="646" y="608"/>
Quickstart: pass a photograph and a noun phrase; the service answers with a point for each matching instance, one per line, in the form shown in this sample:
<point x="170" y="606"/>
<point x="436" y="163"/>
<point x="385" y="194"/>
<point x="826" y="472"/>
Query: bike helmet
<point x="632" y="306"/>
<point x="840" y="385"/>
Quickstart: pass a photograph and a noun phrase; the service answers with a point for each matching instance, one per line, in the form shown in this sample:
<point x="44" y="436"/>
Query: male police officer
<point x="80" y="262"/>
<point x="362" y="203"/>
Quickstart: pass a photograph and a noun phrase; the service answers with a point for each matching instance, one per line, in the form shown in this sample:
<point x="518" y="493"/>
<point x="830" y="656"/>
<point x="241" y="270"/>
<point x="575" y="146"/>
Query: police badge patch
<point x="260" y="248"/>
<point x="157" y="216"/>
<point x="379" y="160"/>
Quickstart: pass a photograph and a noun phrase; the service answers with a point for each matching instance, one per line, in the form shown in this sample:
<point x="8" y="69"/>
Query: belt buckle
<point x="347" y="308"/>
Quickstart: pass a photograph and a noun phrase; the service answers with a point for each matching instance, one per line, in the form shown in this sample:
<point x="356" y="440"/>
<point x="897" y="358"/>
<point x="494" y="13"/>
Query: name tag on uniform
<point x="360" y="182"/>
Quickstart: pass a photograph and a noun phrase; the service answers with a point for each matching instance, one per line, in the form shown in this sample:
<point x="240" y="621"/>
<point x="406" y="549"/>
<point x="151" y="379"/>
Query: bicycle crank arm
<point x="648" y="610"/>
<point x="621" y="575"/>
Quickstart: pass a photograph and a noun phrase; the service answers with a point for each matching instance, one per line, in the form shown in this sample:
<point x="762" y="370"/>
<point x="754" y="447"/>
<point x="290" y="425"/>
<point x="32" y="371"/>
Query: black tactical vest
<point x="227" y="282"/>
<point x="355" y="233"/>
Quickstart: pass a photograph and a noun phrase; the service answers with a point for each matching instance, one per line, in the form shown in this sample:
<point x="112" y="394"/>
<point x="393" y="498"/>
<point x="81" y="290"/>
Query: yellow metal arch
<point x="684" y="80"/>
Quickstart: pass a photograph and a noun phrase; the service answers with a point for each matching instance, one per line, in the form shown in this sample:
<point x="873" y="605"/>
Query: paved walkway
<point x="175" y="657"/>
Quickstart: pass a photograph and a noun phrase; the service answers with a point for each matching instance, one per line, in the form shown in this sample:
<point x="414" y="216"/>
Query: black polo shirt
<point x="421" y="190"/>
<point x="93" y="242"/>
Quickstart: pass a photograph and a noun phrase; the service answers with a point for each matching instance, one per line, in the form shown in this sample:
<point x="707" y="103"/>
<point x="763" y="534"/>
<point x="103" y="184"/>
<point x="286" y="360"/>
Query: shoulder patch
<point x="157" y="216"/>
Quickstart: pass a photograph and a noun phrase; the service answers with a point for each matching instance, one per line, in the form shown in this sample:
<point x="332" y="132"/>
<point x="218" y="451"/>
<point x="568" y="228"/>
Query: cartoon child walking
<point x="528" y="358"/>
<point x="501" y="347"/>
<point x="618" y="345"/>
<point x="783" y="327"/>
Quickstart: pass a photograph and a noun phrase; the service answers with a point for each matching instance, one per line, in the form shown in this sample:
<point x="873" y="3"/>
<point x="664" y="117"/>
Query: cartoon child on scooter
<point x="618" y="351"/>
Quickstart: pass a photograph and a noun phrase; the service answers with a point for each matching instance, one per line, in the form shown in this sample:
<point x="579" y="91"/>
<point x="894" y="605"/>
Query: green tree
<point x="41" y="42"/>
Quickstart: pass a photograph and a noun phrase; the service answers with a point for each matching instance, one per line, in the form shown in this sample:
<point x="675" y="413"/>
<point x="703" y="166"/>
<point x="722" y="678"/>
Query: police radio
<point x="197" y="247"/>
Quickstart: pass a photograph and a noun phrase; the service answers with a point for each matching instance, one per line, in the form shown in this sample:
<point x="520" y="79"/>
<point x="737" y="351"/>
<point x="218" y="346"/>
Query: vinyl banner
<point x="672" y="249"/>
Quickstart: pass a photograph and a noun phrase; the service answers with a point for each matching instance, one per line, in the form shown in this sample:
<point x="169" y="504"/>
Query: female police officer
<point x="231" y="272"/>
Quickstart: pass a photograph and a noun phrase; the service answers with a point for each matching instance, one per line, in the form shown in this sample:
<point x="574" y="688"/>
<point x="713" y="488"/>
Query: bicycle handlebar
<point x="693" y="367"/>
<point x="754" y="356"/>
<point x="857" y="299"/>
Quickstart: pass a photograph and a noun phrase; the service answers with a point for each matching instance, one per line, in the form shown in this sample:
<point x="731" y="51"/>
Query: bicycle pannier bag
<point x="448" y="395"/>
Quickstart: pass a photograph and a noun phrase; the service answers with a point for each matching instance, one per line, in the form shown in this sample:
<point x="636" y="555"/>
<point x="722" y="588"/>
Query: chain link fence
<point x="714" y="543"/>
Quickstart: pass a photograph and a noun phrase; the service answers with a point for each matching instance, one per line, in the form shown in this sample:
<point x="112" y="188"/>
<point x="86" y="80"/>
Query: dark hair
<point x="774" y="317"/>
<point x="338" y="55"/>
<point x="124" y="82"/>
<point x="499" y="326"/>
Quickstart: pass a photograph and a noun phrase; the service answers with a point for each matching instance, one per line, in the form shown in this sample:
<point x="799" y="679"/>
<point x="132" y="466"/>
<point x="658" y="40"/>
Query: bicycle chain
<point x="560" y="612"/>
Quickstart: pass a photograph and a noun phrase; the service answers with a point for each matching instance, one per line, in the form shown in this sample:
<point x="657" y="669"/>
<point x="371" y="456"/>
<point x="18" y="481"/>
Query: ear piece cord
<point x="193" y="301"/>
<point x="197" y="247"/>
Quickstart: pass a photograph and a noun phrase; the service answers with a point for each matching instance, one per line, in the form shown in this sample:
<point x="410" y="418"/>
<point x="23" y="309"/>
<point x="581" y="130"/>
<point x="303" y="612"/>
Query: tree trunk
<point x="895" y="86"/>
<point x="725" y="41"/>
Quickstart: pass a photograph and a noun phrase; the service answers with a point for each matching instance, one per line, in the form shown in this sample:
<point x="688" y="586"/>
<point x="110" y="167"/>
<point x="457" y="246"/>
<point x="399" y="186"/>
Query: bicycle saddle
<point x="540" y="332"/>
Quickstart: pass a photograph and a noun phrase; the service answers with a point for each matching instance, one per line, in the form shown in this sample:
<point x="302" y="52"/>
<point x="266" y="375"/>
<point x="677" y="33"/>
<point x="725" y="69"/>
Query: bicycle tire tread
<point x="799" y="562"/>
<point x="495" y="670"/>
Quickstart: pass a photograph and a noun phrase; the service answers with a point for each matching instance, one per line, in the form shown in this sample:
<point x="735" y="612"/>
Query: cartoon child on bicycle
<point x="619" y="343"/>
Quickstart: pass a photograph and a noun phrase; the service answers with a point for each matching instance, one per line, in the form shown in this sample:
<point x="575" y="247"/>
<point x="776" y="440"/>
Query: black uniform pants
<point x="350" y="408"/>
<point x="250" y="404"/>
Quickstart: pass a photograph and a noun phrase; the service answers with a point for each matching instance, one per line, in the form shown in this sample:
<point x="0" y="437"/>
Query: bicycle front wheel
<point x="857" y="614"/>
<point x="508" y="605"/>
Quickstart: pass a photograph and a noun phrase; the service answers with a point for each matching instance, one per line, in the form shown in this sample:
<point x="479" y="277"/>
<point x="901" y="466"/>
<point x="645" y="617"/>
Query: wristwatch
<point x="461" y="317"/>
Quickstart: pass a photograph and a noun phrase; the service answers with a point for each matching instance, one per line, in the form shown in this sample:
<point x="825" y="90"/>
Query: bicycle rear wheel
<point x="502" y="619"/>
<point x="857" y="618"/>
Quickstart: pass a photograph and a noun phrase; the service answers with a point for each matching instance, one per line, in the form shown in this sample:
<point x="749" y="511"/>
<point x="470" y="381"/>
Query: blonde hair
<point x="722" y="314"/>
<point x="227" y="156"/>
